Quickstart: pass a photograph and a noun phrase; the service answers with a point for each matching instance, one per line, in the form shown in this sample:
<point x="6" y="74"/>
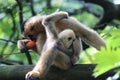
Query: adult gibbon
<point x="45" y="30"/>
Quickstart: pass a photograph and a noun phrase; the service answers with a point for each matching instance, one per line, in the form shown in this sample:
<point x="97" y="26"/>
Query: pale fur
<point x="46" y="60"/>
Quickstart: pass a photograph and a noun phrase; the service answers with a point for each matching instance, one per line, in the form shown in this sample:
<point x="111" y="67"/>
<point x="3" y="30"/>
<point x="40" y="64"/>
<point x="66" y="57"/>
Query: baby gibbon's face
<point x="32" y="27"/>
<point x="67" y="37"/>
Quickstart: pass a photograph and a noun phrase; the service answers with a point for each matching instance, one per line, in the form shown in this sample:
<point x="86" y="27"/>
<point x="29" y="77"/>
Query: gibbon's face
<point x="32" y="27"/>
<point x="67" y="37"/>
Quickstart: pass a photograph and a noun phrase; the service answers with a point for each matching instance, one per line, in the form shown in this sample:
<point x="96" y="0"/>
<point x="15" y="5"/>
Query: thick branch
<point x="77" y="72"/>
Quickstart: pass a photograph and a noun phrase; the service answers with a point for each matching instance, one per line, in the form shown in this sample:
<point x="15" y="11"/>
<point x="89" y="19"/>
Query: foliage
<point x="10" y="32"/>
<point x="108" y="58"/>
<point x="4" y="4"/>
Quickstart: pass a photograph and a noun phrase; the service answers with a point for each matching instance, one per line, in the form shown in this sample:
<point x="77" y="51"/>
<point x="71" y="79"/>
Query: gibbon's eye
<point x="32" y="28"/>
<point x="69" y="38"/>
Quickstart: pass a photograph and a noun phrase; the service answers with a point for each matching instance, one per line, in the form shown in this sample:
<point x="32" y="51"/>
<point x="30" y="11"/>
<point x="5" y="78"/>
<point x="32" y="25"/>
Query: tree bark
<point x="77" y="72"/>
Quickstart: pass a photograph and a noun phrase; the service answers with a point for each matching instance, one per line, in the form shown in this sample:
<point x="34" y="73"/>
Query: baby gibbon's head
<point x="32" y="27"/>
<point x="67" y="36"/>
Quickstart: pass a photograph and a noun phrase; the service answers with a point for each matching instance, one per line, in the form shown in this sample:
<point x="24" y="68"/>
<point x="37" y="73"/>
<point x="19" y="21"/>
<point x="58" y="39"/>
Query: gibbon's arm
<point x="34" y="26"/>
<point x="88" y="35"/>
<point x="40" y="41"/>
<point x="77" y="49"/>
<point x="52" y="33"/>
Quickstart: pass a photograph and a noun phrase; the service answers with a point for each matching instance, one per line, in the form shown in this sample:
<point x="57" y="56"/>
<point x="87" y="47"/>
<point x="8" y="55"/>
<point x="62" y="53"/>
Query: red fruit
<point x="31" y="44"/>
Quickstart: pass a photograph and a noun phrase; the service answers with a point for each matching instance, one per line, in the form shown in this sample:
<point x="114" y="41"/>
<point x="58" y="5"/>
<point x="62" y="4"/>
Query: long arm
<point x="49" y="24"/>
<point x="88" y="35"/>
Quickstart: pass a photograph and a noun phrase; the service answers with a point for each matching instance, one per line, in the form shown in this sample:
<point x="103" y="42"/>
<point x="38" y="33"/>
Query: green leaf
<point x="108" y="58"/>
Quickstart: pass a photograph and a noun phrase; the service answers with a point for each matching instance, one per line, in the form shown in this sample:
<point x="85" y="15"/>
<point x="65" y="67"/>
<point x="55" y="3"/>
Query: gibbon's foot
<point x="32" y="75"/>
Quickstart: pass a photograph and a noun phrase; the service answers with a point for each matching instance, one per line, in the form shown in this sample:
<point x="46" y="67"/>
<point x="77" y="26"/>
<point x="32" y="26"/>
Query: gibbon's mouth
<point x="32" y="37"/>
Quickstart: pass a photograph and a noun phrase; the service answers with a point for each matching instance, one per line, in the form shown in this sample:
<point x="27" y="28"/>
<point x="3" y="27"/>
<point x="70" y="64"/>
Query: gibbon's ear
<point x="23" y="26"/>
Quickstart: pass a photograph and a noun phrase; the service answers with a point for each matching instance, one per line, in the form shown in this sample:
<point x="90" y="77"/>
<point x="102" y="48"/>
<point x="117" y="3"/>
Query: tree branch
<point x="109" y="12"/>
<point x="32" y="8"/>
<point x="77" y="72"/>
<point x="28" y="57"/>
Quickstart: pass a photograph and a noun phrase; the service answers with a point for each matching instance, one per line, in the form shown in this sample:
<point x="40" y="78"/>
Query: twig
<point x="14" y="42"/>
<point x="10" y="62"/>
<point x="21" y="21"/>
<point x="28" y="57"/>
<point x="20" y="11"/>
<point x="6" y="62"/>
<point x="12" y="34"/>
<point x="32" y="7"/>
<point x="48" y="4"/>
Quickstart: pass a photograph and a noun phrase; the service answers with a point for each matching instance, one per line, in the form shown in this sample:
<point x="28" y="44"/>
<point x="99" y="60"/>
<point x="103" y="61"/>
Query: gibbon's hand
<point x="22" y="45"/>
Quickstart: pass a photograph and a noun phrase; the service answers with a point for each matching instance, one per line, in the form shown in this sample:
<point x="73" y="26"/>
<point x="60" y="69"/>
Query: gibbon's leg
<point x="50" y="49"/>
<point x="43" y="64"/>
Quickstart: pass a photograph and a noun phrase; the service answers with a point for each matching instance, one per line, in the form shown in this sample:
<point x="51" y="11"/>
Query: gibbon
<point x="45" y="30"/>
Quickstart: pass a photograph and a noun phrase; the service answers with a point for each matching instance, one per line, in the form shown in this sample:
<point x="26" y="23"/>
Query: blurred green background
<point x="106" y="59"/>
